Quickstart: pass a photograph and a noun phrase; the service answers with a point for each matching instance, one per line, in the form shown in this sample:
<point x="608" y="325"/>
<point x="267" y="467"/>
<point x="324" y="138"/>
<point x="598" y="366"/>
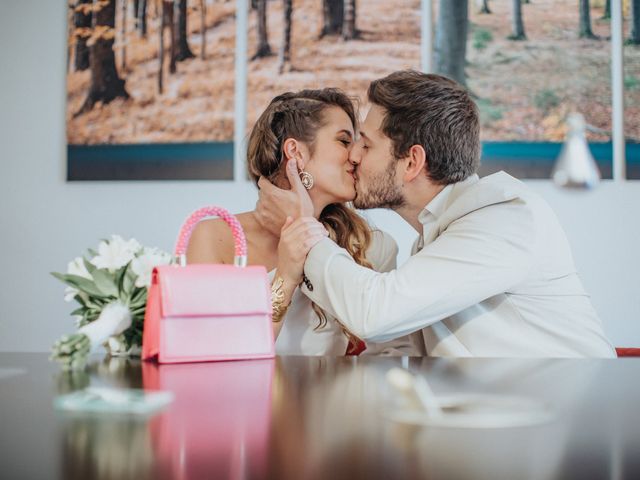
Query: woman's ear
<point x="292" y="148"/>
<point x="416" y="163"/>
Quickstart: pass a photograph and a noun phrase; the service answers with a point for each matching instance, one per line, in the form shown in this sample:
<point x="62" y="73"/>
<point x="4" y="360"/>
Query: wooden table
<point x="318" y="418"/>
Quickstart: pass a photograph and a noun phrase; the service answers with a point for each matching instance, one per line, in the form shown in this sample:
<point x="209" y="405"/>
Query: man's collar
<point x="439" y="203"/>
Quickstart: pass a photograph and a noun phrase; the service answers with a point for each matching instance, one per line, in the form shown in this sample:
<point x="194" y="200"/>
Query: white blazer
<point x="492" y="275"/>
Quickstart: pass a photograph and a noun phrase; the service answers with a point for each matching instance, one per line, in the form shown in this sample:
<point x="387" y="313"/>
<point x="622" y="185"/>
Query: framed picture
<point x="152" y="84"/>
<point x="150" y="89"/>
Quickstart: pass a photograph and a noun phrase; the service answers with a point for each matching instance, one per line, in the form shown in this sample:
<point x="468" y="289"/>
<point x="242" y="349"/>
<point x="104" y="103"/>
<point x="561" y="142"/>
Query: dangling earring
<point x="307" y="180"/>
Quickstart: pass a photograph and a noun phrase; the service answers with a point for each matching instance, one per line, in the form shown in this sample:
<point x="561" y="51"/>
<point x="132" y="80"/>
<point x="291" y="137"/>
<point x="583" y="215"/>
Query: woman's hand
<point x="297" y="238"/>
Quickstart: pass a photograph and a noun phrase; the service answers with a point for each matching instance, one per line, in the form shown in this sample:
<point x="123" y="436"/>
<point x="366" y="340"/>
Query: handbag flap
<point x="213" y="289"/>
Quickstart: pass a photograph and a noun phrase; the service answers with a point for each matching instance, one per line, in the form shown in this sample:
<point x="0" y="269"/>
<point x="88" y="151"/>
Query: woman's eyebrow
<point x="347" y="132"/>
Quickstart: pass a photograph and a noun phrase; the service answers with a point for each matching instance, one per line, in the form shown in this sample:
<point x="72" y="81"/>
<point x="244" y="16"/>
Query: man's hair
<point x="434" y="112"/>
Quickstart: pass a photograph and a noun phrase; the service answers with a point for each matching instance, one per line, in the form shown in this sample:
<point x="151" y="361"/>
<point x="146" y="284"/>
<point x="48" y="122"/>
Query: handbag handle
<point x="240" y="259"/>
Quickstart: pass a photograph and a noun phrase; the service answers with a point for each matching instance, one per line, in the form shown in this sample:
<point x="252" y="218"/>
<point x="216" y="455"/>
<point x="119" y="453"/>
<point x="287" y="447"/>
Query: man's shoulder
<point x="499" y="189"/>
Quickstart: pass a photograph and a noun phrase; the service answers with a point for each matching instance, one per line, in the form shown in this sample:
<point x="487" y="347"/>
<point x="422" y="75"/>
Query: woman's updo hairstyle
<point x="297" y="115"/>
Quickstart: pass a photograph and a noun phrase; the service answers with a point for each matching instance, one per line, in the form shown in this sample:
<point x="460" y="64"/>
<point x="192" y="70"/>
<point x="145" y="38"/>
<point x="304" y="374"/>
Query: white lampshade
<point x="575" y="167"/>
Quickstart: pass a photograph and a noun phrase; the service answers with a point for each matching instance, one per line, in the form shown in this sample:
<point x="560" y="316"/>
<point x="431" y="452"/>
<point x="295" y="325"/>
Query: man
<point x="492" y="272"/>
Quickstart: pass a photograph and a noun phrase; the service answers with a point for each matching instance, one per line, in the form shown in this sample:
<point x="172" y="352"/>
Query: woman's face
<point x="332" y="172"/>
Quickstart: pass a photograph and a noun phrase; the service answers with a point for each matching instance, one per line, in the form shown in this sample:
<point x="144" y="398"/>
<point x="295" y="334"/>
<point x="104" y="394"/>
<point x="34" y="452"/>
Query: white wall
<point x="45" y="221"/>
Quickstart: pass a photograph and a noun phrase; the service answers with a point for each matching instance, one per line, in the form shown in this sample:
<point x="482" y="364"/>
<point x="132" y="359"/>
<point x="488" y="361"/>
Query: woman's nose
<point x="354" y="155"/>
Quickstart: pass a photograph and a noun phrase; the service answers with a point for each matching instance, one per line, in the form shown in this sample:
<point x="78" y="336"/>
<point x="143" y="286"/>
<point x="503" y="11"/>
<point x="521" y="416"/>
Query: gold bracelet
<point x="277" y="300"/>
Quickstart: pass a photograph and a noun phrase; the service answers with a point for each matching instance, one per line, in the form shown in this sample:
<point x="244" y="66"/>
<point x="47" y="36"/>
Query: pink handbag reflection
<point x="218" y="424"/>
<point x="208" y="312"/>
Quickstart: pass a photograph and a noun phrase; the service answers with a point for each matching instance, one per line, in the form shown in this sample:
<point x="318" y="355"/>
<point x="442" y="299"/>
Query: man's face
<point x="376" y="168"/>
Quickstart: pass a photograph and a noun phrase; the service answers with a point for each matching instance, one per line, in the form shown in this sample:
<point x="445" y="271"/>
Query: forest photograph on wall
<point x="294" y="45"/>
<point x="529" y="64"/>
<point x="150" y="87"/>
<point x="150" y="83"/>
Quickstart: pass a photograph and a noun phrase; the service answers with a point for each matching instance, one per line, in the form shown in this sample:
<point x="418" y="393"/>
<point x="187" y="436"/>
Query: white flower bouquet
<point x="111" y="287"/>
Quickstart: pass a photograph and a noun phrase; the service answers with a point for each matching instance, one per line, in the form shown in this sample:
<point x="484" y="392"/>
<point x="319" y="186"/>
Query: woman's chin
<point x="351" y="196"/>
<point x="348" y="194"/>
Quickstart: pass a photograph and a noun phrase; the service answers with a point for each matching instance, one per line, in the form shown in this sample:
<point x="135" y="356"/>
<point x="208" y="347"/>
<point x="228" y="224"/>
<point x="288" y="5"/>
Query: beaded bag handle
<point x="240" y="259"/>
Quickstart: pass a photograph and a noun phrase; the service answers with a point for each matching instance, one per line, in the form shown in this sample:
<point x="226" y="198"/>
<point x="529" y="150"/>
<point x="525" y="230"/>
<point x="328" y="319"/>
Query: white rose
<point x="143" y="265"/>
<point x="115" y="253"/>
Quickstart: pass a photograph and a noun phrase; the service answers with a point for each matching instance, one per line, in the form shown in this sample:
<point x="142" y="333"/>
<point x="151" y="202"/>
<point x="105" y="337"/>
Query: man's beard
<point x="381" y="192"/>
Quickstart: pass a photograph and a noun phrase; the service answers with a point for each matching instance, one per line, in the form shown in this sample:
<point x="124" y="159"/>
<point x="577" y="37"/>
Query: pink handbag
<point x="208" y="312"/>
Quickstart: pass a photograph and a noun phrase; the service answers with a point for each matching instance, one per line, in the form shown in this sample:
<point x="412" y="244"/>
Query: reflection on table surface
<point x="318" y="417"/>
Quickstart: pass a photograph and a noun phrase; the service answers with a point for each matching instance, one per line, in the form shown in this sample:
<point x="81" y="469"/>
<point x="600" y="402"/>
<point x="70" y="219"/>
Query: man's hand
<point x="275" y="204"/>
<point x="297" y="238"/>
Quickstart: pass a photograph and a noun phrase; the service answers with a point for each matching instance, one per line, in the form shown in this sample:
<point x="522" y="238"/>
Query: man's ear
<point x="416" y="162"/>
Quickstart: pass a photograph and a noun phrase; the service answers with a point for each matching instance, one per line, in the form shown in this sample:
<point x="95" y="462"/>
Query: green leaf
<point x="60" y="276"/>
<point x="105" y="282"/>
<point x="139" y="293"/>
<point x="81" y="301"/>
<point x="78" y="311"/>
<point x="80" y="283"/>
<point x="128" y="282"/>
<point x="139" y="306"/>
<point x="89" y="266"/>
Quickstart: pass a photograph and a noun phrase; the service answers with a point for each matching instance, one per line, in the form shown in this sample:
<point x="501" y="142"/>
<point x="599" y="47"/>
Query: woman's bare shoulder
<point x="210" y="242"/>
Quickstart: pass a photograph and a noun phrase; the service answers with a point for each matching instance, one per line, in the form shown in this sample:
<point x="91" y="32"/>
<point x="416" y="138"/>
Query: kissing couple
<point x="491" y="272"/>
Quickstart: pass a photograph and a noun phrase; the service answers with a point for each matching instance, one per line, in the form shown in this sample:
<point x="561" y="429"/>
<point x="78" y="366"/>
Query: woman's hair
<point x="299" y="115"/>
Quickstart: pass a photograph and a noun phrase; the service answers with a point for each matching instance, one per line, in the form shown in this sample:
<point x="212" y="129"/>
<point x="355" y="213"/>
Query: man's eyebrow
<point x="364" y="135"/>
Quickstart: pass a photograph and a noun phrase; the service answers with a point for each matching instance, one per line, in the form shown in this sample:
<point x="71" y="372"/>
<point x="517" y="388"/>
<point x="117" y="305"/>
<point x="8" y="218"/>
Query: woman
<point x="316" y="128"/>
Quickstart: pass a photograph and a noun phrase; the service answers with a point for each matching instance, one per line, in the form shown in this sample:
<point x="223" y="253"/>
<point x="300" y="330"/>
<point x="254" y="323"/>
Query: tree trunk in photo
<point x="140" y="12"/>
<point x="263" y="50"/>
<point x="585" y="20"/>
<point x="606" y="13"/>
<point x="483" y="6"/>
<point x="81" y="21"/>
<point x="203" y="27"/>
<point x="332" y="17"/>
<point x="71" y="35"/>
<point x="163" y="24"/>
<point x="105" y="85"/>
<point x="123" y="36"/>
<point x="451" y="39"/>
<point x="349" y="31"/>
<point x="284" y="60"/>
<point x="517" y="25"/>
<point x="183" y="51"/>
<point x="634" y="35"/>
<point x="168" y="14"/>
